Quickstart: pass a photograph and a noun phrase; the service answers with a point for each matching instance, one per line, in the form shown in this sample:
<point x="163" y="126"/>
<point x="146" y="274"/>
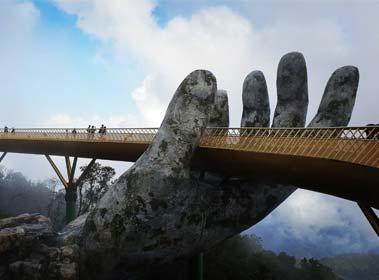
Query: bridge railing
<point x="353" y="144"/>
<point x="127" y="135"/>
<point x="366" y="132"/>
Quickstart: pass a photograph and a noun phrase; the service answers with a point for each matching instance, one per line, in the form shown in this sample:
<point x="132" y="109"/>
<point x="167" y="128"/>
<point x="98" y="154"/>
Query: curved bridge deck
<point x="339" y="161"/>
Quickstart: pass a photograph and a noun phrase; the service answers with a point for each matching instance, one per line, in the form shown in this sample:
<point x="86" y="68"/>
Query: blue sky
<point x="69" y="71"/>
<point x="118" y="62"/>
<point x="78" y="76"/>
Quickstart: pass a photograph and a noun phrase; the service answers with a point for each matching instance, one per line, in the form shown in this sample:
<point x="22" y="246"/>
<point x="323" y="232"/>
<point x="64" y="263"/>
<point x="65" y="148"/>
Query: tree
<point x="20" y="195"/>
<point x="93" y="186"/>
<point x="56" y="206"/>
<point x="243" y="257"/>
<point x="2" y="172"/>
<point x="312" y="269"/>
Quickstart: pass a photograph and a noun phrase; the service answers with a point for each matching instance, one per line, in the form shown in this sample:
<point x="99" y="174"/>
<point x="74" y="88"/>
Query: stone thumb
<point x="185" y="121"/>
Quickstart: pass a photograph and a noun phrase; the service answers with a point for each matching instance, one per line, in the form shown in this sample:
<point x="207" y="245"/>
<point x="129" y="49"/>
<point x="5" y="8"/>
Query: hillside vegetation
<point x="355" y="266"/>
<point x="243" y="258"/>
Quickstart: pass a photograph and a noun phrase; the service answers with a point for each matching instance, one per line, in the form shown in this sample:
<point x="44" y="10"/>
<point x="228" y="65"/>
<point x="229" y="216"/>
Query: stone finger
<point x="292" y="89"/>
<point x="338" y="101"/>
<point x="220" y="112"/>
<point x="256" y="105"/>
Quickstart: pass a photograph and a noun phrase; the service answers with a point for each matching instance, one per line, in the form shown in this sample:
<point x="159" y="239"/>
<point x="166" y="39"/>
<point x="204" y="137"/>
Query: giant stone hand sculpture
<point x="161" y="209"/>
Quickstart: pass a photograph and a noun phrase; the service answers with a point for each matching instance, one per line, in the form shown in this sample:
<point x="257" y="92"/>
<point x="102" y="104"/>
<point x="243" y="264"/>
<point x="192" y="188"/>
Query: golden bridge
<point x="340" y="161"/>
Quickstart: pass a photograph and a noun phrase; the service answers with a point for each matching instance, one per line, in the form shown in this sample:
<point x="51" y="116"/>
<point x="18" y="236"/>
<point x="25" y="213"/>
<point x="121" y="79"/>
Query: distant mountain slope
<point x="354" y="266"/>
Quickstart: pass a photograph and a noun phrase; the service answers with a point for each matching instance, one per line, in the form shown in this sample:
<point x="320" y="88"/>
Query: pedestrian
<point x="101" y="129"/>
<point x="5" y="129"/>
<point x="372" y="131"/>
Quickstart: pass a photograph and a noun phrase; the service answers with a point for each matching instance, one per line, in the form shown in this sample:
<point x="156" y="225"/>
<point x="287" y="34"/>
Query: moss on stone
<point x="103" y="211"/>
<point x="271" y="201"/>
<point x="163" y="146"/>
<point x="117" y="227"/>
<point x="157" y="203"/>
<point x="141" y="201"/>
<point x="194" y="219"/>
<point x="89" y="226"/>
<point x="151" y="247"/>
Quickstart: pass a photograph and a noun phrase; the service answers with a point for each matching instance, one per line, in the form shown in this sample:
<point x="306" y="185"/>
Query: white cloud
<point x="150" y="107"/>
<point x="216" y="38"/>
<point x="66" y="120"/>
<point x="325" y="224"/>
<point x="306" y="213"/>
<point x="17" y="21"/>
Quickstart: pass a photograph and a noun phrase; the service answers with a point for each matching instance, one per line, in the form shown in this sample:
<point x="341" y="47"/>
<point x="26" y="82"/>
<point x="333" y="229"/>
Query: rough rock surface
<point x="292" y="88"/>
<point x="220" y="113"/>
<point x="335" y="110"/>
<point x="154" y="213"/>
<point x="28" y="250"/>
<point x="161" y="211"/>
<point x="256" y="105"/>
<point x="339" y="98"/>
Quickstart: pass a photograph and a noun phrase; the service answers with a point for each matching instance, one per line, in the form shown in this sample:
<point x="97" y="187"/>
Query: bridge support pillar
<point x="199" y="266"/>
<point x="3" y="156"/>
<point x="70" y="185"/>
<point x="371" y="217"/>
<point x="71" y="197"/>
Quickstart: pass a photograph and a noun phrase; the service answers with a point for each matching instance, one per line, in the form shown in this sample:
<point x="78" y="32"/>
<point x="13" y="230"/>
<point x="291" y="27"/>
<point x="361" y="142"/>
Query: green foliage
<point x="19" y="195"/>
<point x="355" y="266"/>
<point x="312" y="269"/>
<point x="93" y="186"/>
<point x="243" y="257"/>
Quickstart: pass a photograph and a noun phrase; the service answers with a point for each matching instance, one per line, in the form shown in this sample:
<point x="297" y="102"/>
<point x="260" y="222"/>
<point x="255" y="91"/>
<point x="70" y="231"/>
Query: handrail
<point x="361" y="130"/>
<point x="359" y="145"/>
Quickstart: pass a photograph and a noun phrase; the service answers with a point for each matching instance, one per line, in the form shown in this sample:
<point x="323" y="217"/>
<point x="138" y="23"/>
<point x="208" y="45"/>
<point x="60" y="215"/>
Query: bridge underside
<point x="350" y="181"/>
<point x="346" y="180"/>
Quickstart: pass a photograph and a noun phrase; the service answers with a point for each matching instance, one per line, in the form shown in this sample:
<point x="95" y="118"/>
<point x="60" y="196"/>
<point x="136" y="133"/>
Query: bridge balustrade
<point x="352" y="144"/>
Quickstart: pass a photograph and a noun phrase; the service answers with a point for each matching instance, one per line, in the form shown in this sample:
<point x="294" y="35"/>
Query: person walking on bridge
<point x="101" y="129"/>
<point x="372" y="131"/>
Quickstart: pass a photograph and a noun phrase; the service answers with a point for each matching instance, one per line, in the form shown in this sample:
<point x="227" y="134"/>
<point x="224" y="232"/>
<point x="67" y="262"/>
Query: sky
<point x="70" y="63"/>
